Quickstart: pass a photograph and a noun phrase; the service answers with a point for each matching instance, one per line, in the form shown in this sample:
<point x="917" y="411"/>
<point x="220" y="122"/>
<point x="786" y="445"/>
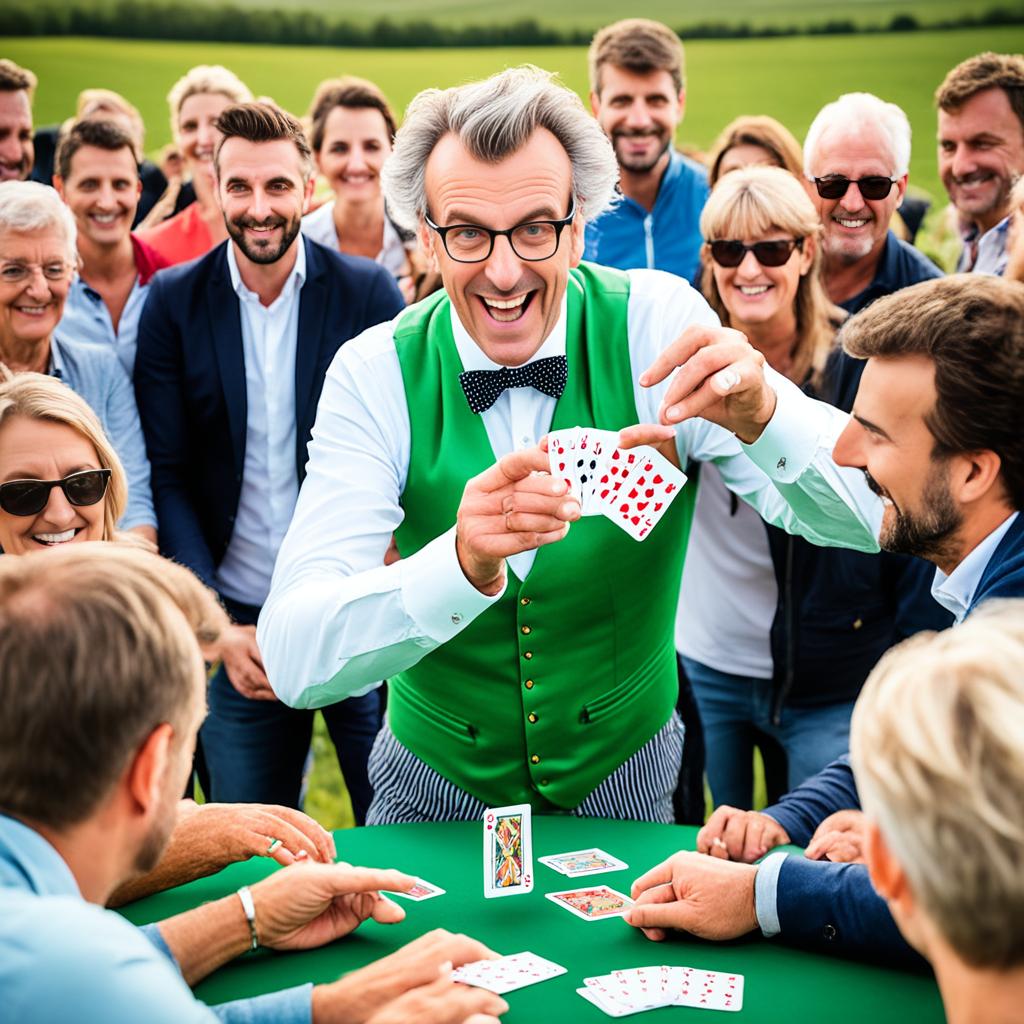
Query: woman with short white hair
<point x="37" y="260"/>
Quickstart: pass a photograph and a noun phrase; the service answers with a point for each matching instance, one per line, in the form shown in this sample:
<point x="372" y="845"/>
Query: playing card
<point x="422" y="890"/>
<point x="583" y="862"/>
<point x="592" y="904"/>
<point x="508" y="851"/>
<point x="638" y="988"/>
<point x="613" y="1009"/>
<point x="508" y="973"/>
<point x="560" y="458"/>
<point x="708" y="990"/>
<point x="637" y="489"/>
<point x="591" y="451"/>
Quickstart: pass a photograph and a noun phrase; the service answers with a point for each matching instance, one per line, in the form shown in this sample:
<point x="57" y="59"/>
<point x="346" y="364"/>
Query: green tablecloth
<point x="781" y="984"/>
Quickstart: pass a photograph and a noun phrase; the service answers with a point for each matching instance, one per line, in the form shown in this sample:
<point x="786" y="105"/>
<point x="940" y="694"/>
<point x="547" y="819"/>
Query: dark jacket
<point x="190" y="385"/>
<point x="834" y="906"/>
<point x="839" y="611"/>
<point x="900" y="266"/>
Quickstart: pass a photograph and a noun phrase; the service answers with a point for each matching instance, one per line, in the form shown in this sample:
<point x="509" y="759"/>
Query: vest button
<point x="528" y="655"/>
<point x="528" y="684"/>
<point x="526" y="631"/>
<point x="524" y="601"/>
<point x="543" y="782"/>
<point x="857" y="623"/>
<point x="535" y="759"/>
<point x="531" y="717"/>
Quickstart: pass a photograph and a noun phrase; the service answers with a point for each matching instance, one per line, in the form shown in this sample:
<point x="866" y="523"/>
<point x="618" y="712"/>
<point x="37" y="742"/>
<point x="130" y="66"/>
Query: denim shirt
<point x="62" y="958"/>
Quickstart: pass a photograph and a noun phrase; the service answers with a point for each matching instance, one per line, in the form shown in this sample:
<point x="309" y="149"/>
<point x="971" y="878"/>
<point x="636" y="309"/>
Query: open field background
<point x="788" y="78"/>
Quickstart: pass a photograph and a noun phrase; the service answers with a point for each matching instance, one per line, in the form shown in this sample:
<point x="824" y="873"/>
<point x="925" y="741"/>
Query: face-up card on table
<point x="637" y="489"/>
<point x="594" y="903"/>
<point x="507" y="973"/>
<point x="583" y="862"/>
<point x="708" y="990"/>
<point x="508" y="851"/>
<point x="422" y="890"/>
<point x="646" y="988"/>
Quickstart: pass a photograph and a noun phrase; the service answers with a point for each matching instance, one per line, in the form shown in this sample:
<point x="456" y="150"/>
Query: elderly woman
<point x="776" y="635"/>
<point x="754" y="140"/>
<point x="351" y="128"/>
<point x="37" y="260"/>
<point x="196" y="101"/>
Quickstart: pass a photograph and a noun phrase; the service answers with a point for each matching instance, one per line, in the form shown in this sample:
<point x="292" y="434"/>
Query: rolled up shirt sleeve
<point x="337" y="619"/>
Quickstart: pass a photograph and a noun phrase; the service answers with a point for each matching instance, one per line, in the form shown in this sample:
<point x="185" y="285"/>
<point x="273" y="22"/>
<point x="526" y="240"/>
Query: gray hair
<point x="30" y="206"/>
<point x="493" y="119"/>
<point x="859" y="113"/>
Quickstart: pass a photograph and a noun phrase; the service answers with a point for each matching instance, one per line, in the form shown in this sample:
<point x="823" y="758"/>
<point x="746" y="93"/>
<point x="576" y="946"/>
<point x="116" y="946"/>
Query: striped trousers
<point x="406" y="789"/>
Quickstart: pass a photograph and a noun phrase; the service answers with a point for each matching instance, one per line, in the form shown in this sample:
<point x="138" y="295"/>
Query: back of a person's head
<point x="937" y="746"/>
<point x="638" y="45"/>
<point x="16" y="79"/>
<point x="98" y="647"/>
<point x="971" y="327"/>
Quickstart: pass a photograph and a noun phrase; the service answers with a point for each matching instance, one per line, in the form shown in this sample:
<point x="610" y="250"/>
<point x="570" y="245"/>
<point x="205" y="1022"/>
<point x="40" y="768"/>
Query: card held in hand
<point x="636" y="489"/>
<point x="508" y="851"/>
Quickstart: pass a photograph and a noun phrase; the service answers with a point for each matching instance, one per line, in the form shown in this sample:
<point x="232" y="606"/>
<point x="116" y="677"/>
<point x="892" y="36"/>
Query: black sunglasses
<point x="874" y="186"/>
<point x="729" y="252"/>
<point x="29" y="497"/>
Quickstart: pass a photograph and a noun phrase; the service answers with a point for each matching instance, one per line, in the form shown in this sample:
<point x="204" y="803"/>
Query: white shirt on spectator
<point x="319" y="226"/>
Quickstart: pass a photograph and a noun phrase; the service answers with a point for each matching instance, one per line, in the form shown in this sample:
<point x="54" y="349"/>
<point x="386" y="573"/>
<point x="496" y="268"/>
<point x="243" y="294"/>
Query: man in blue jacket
<point x="638" y="95"/>
<point x="938" y="428"/>
<point x="232" y="352"/>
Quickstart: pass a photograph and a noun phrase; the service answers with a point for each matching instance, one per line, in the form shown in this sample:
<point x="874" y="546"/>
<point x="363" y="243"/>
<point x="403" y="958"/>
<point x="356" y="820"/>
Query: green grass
<point x="787" y="78"/>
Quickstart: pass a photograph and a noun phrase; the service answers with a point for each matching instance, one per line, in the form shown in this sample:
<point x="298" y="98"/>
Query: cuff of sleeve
<point x="766" y="887"/>
<point x="156" y="938"/>
<point x="292" y="1006"/>
<point x="793" y="434"/>
<point x="436" y="593"/>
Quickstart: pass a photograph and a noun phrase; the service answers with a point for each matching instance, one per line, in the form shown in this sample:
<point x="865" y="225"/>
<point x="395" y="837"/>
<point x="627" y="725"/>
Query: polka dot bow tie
<point x="484" y="387"/>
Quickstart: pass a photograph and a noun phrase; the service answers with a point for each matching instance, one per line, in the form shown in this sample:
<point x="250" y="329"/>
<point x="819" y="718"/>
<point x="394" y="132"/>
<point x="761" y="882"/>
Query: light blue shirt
<point x="96" y="374"/>
<point x="86" y="318"/>
<point x="62" y="958"/>
<point x="270" y="481"/>
<point x="992" y="253"/>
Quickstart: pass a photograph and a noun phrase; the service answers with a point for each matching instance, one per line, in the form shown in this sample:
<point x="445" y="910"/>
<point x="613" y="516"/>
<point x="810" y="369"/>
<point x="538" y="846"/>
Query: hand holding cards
<point x="633" y="487"/>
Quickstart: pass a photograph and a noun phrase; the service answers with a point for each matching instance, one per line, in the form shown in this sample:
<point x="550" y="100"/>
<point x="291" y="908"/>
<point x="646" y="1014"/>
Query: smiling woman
<point x="60" y="479"/>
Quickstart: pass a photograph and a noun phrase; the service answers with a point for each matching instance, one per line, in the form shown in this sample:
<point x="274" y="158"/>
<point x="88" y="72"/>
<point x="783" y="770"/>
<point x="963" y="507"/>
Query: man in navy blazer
<point x="232" y="352"/>
<point x="938" y="428"/>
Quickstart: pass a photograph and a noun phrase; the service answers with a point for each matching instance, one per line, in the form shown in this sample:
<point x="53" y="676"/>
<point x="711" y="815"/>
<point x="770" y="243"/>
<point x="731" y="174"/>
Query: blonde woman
<point x="776" y="635"/>
<point x="61" y="481"/>
<point x="196" y="101"/>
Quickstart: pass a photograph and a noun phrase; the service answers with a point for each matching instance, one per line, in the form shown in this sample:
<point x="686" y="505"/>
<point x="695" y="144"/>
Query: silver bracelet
<point x="250" y="914"/>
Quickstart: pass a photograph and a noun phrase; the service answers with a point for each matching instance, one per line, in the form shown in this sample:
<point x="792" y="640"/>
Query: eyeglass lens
<point x="875" y="186"/>
<point x="29" y="497"/>
<point x="730" y="252"/>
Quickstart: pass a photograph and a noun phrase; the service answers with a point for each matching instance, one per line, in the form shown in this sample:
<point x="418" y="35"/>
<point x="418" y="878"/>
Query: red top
<point x="147" y="260"/>
<point x="179" y="238"/>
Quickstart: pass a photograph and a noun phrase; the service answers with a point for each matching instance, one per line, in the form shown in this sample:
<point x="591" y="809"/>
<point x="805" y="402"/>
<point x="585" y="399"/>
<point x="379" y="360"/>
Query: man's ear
<point x="58" y="184"/>
<point x="577" y="231"/>
<point x="901" y="188"/>
<point x="307" y="193"/>
<point x="146" y="771"/>
<point x="977" y="474"/>
<point x="682" y="105"/>
<point x="426" y="240"/>
<point x="595" y="102"/>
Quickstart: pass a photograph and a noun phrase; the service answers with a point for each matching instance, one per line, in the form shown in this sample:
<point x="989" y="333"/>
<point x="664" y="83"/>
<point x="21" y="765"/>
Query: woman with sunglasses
<point x="776" y="635"/>
<point x="38" y="258"/>
<point x="60" y="479"/>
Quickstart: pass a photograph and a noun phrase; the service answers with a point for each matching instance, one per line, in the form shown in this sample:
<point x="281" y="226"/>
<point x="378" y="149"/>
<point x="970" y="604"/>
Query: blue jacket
<point x="834" y="906"/>
<point x="839" y="611"/>
<point x="900" y="266"/>
<point x="666" y="238"/>
<point x="190" y="385"/>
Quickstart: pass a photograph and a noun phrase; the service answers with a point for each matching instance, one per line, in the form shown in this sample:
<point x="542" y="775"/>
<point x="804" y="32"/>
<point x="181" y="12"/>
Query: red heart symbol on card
<point x="634" y="520"/>
<point x="633" y="493"/>
<point x="641" y="481"/>
<point x="648" y="467"/>
<point x="615" y="469"/>
<point x="561" y="467"/>
<point x="649" y="493"/>
<point x="615" y="455"/>
<point x="641" y="505"/>
<point x="670" y="488"/>
<point x="604" y="493"/>
<point x="624" y="509"/>
<point x="657" y="478"/>
<point x="657" y="506"/>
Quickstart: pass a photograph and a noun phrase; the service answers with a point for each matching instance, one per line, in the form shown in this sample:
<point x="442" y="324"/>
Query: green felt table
<point x="781" y="984"/>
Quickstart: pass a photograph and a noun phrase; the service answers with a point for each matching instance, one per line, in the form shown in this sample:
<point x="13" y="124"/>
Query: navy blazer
<point x="834" y="906"/>
<point x="191" y="392"/>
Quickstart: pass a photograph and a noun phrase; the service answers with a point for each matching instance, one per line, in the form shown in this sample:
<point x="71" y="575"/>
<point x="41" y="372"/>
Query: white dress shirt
<point x="956" y="591"/>
<point x="338" y="619"/>
<point x="319" y="226"/>
<point x="270" y="483"/>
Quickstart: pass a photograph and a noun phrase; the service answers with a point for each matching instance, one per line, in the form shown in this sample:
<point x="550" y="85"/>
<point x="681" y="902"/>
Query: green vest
<point x="573" y="670"/>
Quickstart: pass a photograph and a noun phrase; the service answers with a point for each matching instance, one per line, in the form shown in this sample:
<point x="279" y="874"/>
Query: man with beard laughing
<point x="638" y="95"/>
<point x="232" y="350"/>
<point x="937" y="427"/>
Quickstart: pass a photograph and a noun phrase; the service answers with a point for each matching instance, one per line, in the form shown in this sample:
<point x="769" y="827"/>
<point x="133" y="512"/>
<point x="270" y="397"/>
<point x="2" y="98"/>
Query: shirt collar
<point x="56" y="359"/>
<point x="888" y="271"/>
<point x="296" y="279"/>
<point x="472" y="355"/>
<point x="27" y="860"/>
<point x="956" y="591"/>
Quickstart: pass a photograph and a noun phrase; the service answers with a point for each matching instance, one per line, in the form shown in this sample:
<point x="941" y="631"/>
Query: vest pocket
<point x="630" y="691"/>
<point x="435" y="716"/>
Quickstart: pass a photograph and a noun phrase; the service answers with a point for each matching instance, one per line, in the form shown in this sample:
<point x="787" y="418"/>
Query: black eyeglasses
<point x="874" y="186"/>
<point x="533" y="240"/>
<point x="29" y="497"/>
<point x="728" y="252"/>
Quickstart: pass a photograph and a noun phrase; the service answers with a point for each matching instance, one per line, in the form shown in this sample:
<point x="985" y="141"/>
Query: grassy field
<point x="787" y="78"/>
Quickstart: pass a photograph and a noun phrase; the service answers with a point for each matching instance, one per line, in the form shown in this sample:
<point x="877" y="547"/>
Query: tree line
<point x="139" y="19"/>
